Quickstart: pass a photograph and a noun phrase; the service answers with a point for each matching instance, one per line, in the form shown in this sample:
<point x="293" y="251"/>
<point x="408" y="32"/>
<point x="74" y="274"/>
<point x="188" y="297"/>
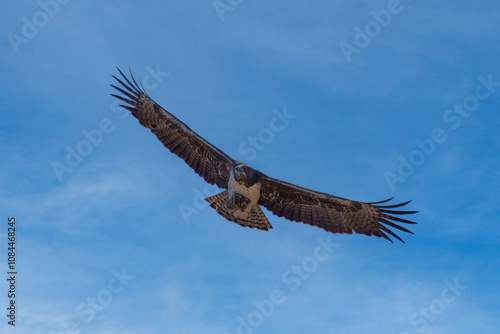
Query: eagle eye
<point x="246" y="168"/>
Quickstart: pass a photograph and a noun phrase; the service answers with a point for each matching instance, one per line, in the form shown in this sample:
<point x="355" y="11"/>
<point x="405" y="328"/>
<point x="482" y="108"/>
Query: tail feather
<point x="256" y="218"/>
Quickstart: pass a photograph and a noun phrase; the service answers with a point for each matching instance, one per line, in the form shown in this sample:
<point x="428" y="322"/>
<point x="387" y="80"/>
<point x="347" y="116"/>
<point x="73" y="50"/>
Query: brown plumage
<point x="205" y="159"/>
<point x="249" y="188"/>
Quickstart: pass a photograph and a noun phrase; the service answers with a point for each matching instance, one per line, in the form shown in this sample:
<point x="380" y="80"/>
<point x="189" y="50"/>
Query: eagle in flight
<point x="246" y="189"/>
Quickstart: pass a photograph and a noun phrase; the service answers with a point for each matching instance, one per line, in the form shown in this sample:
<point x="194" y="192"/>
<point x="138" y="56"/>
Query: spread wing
<point x="205" y="159"/>
<point x="333" y="214"/>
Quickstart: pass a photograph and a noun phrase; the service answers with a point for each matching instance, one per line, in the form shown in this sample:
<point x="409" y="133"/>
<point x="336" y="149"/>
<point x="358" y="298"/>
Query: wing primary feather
<point x="140" y="82"/>
<point x="380" y="202"/>
<point x="133" y="79"/>
<point x="130" y="89"/>
<point x="401" y="220"/>
<point x="385" y="236"/>
<point x="385" y="221"/>
<point x="398" y="212"/>
<point x="129" y="108"/>
<point x="124" y="92"/>
<point x="133" y="103"/>
<point x="385" y="229"/>
<point x="128" y="81"/>
<point x="392" y="206"/>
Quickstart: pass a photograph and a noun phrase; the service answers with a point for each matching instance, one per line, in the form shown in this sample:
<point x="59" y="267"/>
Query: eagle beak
<point x="239" y="171"/>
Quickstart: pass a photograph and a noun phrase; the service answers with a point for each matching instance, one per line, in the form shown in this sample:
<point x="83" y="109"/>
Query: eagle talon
<point x="236" y="201"/>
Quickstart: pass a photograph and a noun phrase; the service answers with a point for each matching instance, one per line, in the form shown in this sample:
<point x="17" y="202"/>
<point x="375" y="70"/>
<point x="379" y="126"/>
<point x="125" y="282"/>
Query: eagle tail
<point x="256" y="218"/>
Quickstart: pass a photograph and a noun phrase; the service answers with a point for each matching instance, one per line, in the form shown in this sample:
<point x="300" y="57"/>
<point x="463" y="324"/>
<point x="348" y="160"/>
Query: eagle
<point x="247" y="189"/>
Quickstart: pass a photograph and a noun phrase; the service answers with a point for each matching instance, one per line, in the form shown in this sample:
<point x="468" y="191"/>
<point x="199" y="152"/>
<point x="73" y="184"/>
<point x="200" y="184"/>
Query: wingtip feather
<point x="385" y="229"/>
<point x="380" y="202"/>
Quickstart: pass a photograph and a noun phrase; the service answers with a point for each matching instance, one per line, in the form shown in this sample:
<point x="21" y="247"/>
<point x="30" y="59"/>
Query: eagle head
<point x="246" y="174"/>
<point x="242" y="171"/>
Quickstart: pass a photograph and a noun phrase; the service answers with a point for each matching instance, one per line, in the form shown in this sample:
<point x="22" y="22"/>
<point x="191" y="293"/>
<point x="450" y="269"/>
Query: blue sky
<point x="384" y="99"/>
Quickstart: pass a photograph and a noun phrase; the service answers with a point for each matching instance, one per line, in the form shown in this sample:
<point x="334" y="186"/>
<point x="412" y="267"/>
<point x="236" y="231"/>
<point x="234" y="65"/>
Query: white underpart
<point x="252" y="193"/>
